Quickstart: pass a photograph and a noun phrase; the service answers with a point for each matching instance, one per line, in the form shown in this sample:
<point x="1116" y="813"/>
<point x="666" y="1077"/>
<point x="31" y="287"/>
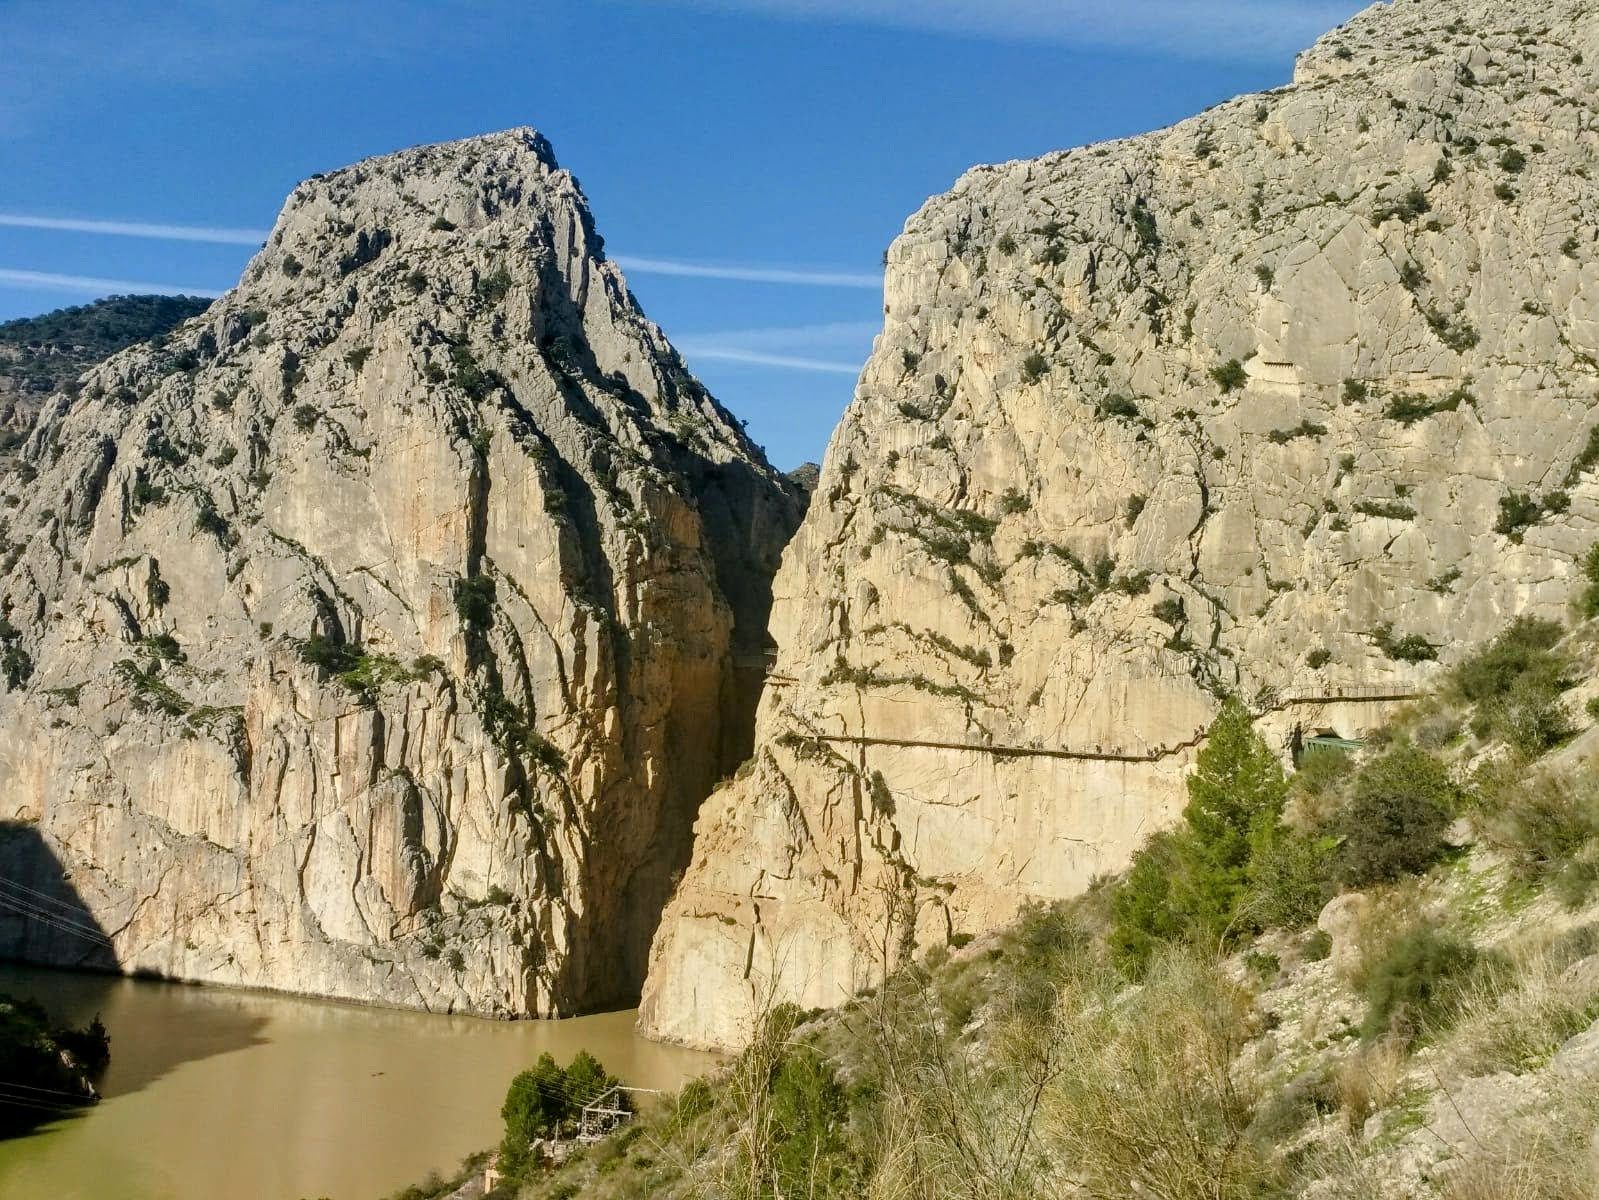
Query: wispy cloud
<point x="846" y="344"/>
<point x="1218" y="30"/>
<point x="800" y="277"/>
<point x="745" y="273"/>
<point x="92" y="285"/>
<point x="139" y="229"/>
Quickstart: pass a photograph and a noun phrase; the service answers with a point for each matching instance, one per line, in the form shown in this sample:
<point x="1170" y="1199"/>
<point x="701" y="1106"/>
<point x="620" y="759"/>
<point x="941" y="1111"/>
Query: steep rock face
<point x="379" y="634"/>
<point x="1294" y="399"/>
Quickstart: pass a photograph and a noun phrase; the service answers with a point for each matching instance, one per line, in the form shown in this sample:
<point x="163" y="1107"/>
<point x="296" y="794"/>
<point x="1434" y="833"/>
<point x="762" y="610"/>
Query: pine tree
<point x="1190" y="883"/>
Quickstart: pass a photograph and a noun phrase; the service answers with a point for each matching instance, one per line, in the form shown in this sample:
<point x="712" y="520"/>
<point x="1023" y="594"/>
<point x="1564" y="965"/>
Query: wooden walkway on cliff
<point x="1266" y="703"/>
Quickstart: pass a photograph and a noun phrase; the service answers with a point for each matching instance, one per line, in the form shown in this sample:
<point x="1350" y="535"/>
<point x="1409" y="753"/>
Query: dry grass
<point x="1148" y="1102"/>
<point x="1514" y="1018"/>
<point x="1370" y="1079"/>
<point x="1548" y="1155"/>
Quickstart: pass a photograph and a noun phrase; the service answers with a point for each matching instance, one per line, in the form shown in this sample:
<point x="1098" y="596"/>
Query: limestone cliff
<point x="379" y="633"/>
<point x="1294" y="399"/>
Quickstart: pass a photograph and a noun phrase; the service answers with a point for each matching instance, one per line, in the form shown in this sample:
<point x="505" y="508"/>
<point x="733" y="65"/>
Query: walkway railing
<point x="1266" y="702"/>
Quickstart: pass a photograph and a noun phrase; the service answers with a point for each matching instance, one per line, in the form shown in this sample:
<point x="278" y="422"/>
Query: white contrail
<point x="800" y="278"/>
<point x="87" y="283"/>
<point x="757" y="359"/>
<point x="797" y="277"/>
<point x="139" y="229"/>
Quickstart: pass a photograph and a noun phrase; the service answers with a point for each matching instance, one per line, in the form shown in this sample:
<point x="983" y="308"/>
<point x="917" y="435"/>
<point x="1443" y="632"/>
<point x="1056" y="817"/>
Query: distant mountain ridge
<point x="40" y="355"/>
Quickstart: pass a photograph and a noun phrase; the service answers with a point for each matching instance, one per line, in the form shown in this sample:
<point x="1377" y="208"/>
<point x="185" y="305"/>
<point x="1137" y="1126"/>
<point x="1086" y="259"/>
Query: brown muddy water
<point x="215" y="1094"/>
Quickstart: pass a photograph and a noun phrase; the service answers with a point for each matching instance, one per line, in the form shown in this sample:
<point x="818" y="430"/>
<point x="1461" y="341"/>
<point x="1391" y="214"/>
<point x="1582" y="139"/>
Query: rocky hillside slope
<point x="1292" y="400"/>
<point x="1403" y="1001"/>
<point x="379" y="634"/>
<point x="39" y="355"/>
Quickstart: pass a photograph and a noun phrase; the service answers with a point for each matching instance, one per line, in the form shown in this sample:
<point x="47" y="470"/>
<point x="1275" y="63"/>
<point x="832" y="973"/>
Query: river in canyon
<point x="216" y="1094"/>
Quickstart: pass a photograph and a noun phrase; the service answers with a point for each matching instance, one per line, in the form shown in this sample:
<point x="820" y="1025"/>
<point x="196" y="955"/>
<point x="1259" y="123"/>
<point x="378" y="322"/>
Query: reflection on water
<point x="215" y="1094"/>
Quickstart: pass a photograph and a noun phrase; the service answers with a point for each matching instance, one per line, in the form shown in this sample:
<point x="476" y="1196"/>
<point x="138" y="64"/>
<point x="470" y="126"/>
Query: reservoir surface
<point x="216" y="1094"/>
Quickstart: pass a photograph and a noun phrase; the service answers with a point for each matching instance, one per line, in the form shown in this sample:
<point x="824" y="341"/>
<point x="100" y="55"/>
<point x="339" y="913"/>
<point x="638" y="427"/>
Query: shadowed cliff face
<point x="1292" y="400"/>
<point x="43" y="918"/>
<point x="379" y="634"/>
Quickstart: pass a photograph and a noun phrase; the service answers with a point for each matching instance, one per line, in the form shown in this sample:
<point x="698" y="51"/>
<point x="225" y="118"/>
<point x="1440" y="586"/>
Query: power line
<point x="50" y="919"/>
<point x="80" y="918"/>
<point x="43" y="896"/>
<point x="46" y="1091"/>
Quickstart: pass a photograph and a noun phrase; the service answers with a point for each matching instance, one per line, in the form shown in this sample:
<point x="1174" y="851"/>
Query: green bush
<point x="1411" y="991"/>
<point x="1145" y="914"/>
<point x="493" y="288"/>
<point x="1318" y="945"/>
<point x="1547" y="828"/>
<point x="1519" y="511"/>
<point x="1516" y="682"/>
<point x="542" y="1100"/>
<point x="1413" y="204"/>
<point x="1038" y="950"/>
<point x="1117" y="406"/>
<point x="1523" y="648"/>
<point x="1411" y="648"/>
<point x="1530" y="718"/>
<point x="1395" y="820"/>
<point x="1230" y="376"/>
<point x="1588" y="603"/>
<point x="474" y="602"/>
<point x="809" y="1111"/>
<point x="1289" y="876"/>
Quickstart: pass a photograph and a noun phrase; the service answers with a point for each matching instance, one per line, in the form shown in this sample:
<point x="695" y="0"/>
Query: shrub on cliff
<point x="809" y="1110"/>
<point x="1546" y="826"/>
<point x="1588" y="602"/>
<point x="1289" y="876"/>
<point x="1394" y="822"/>
<point x="1413" y="989"/>
<point x="1516" y="683"/>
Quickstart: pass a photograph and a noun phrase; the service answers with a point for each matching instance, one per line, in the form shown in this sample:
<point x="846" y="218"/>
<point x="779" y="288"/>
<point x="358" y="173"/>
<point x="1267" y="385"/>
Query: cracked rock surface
<point x="1294" y="399"/>
<point x="378" y="634"/>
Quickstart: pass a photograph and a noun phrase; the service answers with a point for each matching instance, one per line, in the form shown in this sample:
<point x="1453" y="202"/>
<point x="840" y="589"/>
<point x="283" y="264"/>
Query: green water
<point x="215" y="1094"/>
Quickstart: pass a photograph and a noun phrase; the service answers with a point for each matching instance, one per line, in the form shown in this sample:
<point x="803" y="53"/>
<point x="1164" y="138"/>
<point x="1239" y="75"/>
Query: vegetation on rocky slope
<point x="42" y="354"/>
<point x="44" y="1071"/>
<point x="1375" y="976"/>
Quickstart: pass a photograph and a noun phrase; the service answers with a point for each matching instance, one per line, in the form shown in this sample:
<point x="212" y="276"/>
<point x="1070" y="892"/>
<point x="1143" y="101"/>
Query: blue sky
<point x="785" y="139"/>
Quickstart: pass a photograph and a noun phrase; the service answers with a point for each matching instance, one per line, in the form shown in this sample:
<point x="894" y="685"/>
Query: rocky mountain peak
<point x="378" y="633"/>
<point x="1290" y="401"/>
